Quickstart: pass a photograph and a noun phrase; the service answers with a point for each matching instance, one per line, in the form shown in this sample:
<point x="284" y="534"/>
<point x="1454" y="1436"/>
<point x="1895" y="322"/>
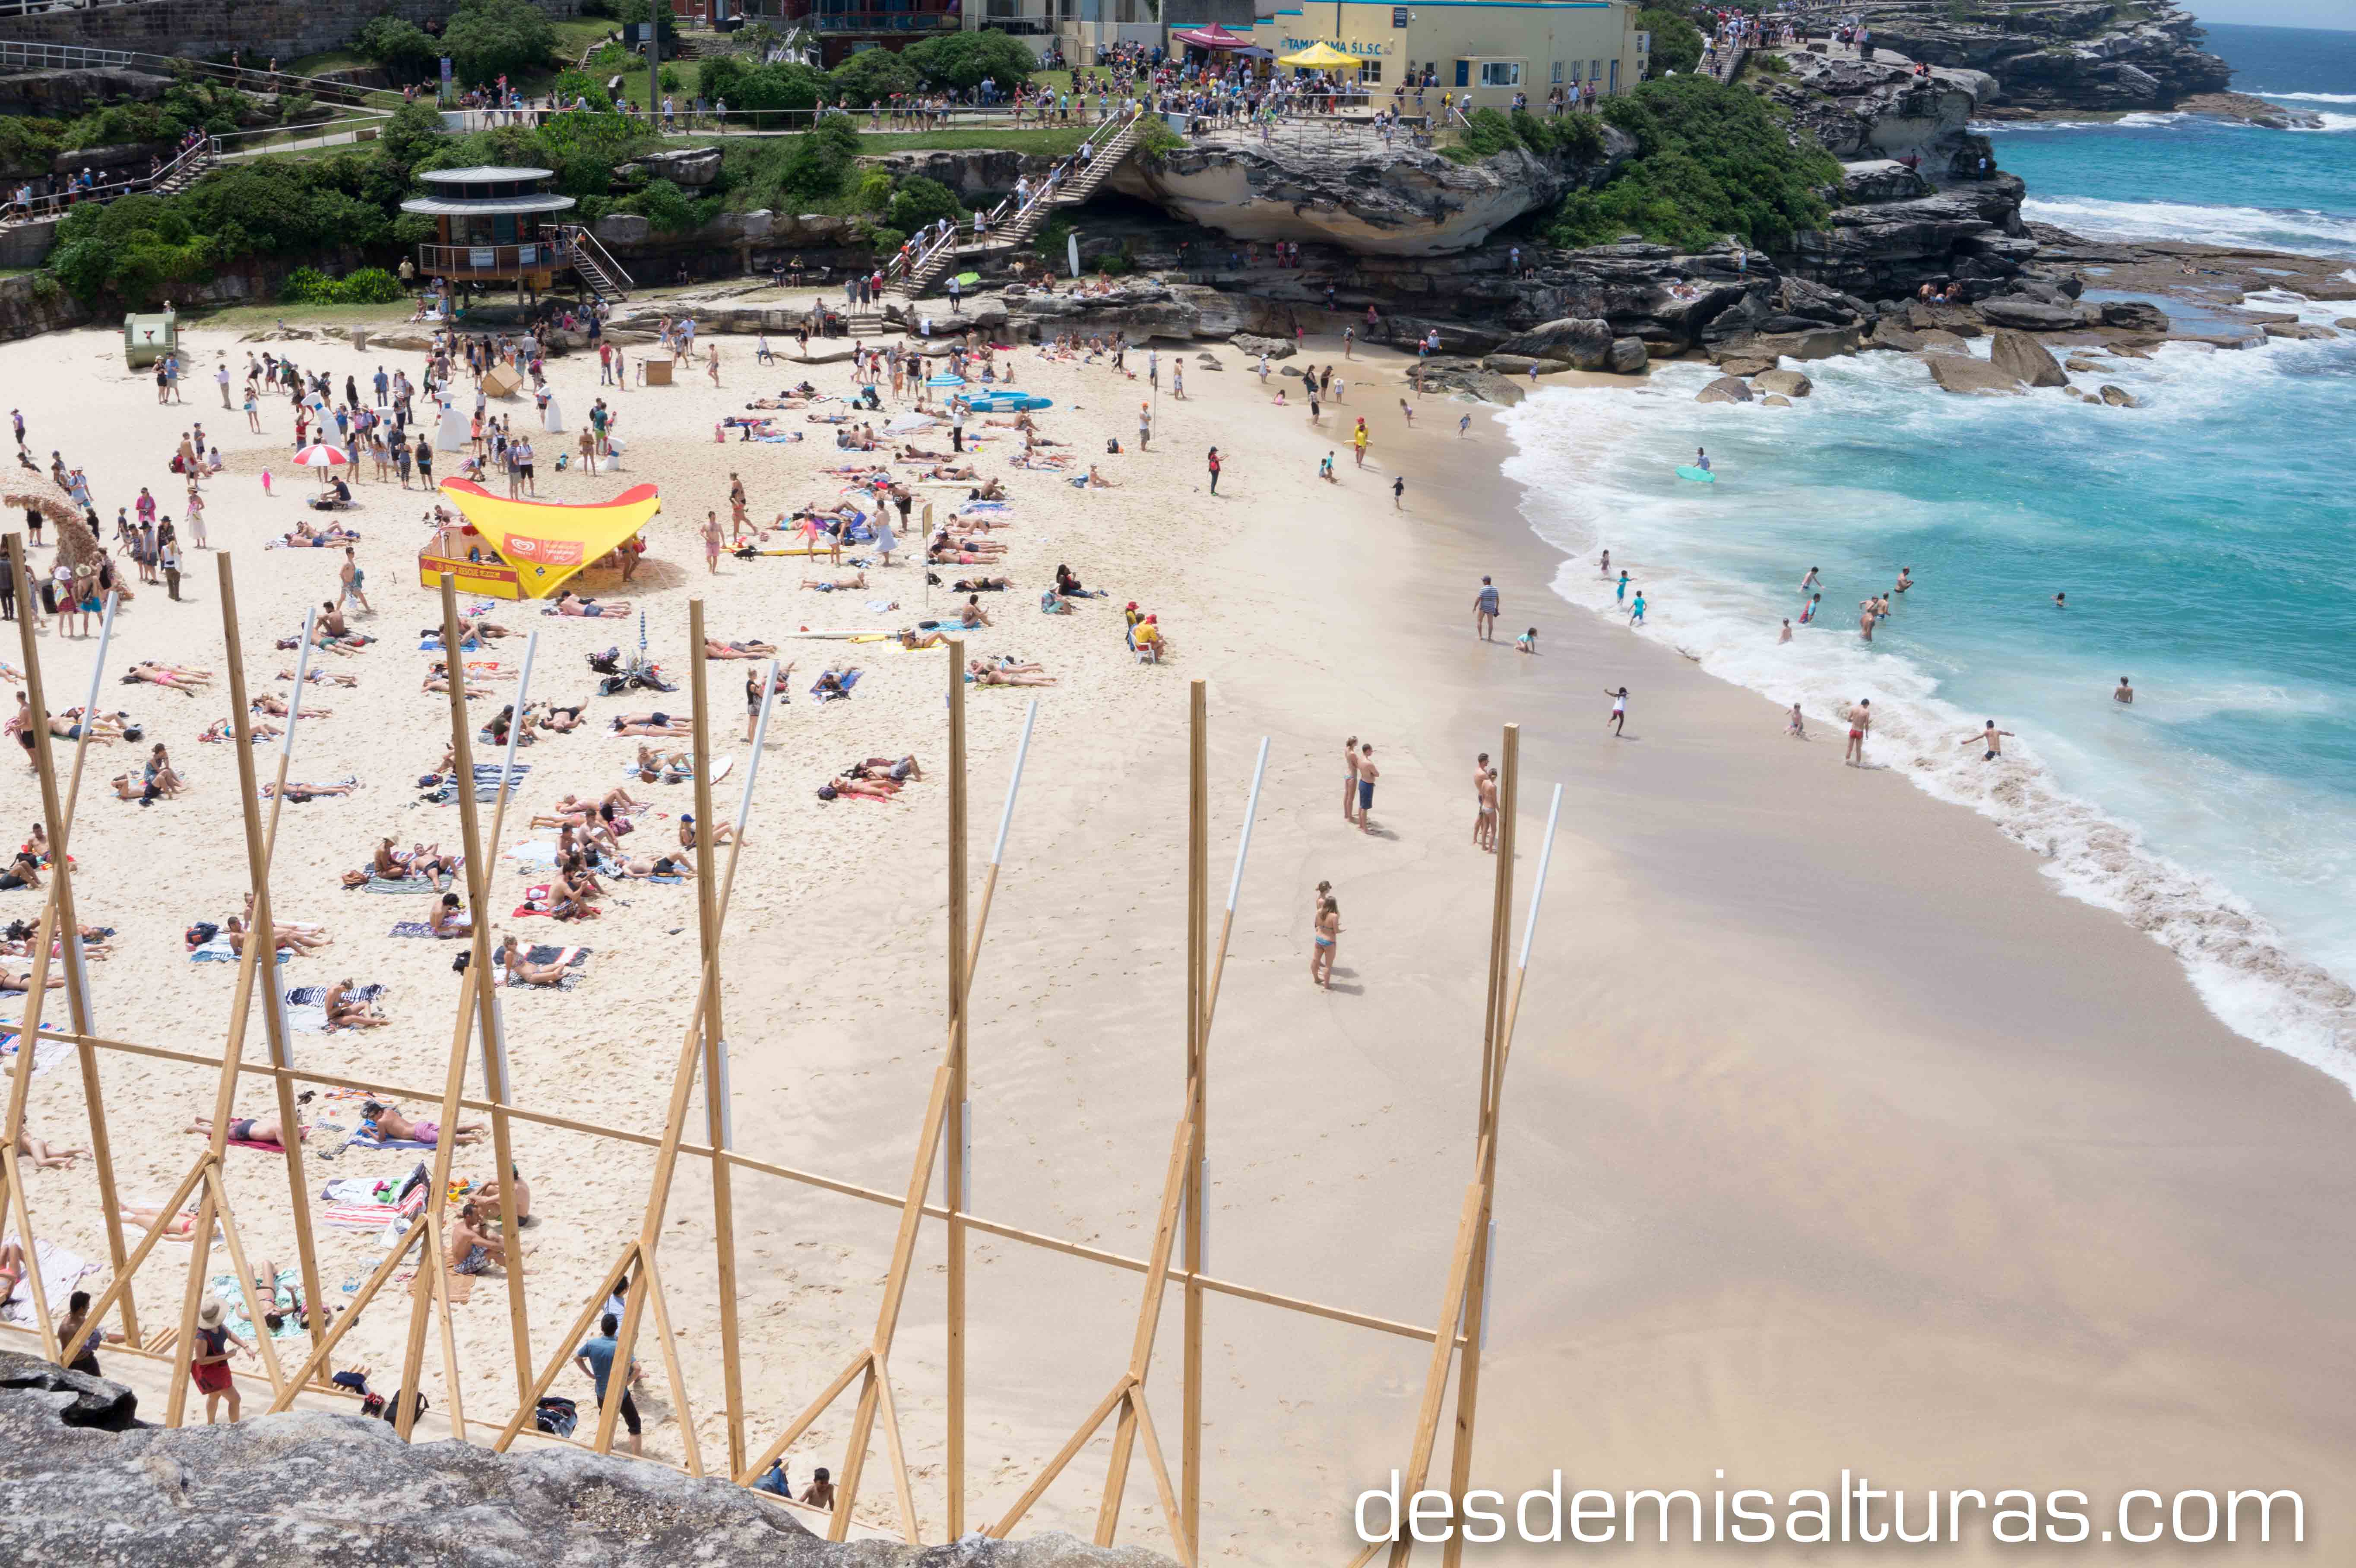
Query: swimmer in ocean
<point x="1701" y="460"/>
<point x="1808" y="583"/>
<point x="2125" y="694"/>
<point x="1905" y="580"/>
<point x="1991" y="738"/>
<point x="1815" y="601"/>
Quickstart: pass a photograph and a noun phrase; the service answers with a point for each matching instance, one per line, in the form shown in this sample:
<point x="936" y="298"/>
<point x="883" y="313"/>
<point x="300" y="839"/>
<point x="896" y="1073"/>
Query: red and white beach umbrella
<point x="319" y="454"/>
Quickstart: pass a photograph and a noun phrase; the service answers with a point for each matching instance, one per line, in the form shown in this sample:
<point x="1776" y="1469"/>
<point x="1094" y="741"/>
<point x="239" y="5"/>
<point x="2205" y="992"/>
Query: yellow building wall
<point x="1551" y="43"/>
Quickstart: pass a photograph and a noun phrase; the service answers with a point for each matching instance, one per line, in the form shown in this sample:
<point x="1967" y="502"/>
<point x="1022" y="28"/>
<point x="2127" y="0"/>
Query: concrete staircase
<point x="1073" y="182"/>
<point x="180" y="174"/>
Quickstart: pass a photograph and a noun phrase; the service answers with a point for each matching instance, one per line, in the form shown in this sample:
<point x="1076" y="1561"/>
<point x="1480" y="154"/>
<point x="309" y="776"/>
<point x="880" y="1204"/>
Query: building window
<point x="1500" y="73"/>
<point x="1399" y="15"/>
<point x="1595" y="71"/>
<point x="1371" y="69"/>
<point x="1615" y="75"/>
<point x="1557" y="73"/>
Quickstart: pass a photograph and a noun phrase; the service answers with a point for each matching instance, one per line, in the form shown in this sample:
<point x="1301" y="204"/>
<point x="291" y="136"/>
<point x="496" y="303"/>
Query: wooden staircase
<point x="591" y="261"/>
<point x="1071" y="184"/>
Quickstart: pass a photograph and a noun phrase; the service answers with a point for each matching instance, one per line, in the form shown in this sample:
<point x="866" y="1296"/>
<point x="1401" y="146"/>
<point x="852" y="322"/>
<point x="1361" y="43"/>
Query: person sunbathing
<point x="225" y="729"/>
<point x="909" y="638"/>
<point x="276" y="708"/>
<point x="490" y="1197"/>
<point x="843" y="784"/>
<point x="656" y="865"/>
<point x="299" y="940"/>
<point x="723" y="833"/>
<point x="265" y="1128"/>
<point x="322" y="677"/>
<point x="106" y="727"/>
<point x="300" y="792"/>
<point x="913" y="453"/>
<point x="950" y="471"/>
<point x="473" y="1249"/>
<point x="662" y="724"/>
<point x="999" y="675"/>
<point x="422" y="860"/>
<point x="568" y="898"/>
<point x="1023" y="460"/>
<point x="835" y="584"/>
<point x="983" y="584"/>
<point x="830" y="684"/>
<point x="44" y="1156"/>
<point x="346" y="1010"/>
<point x="559" y="720"/>
<point x="655" y="766"/>
<point x="177" y="1227"/>
<point x="897" y="769"/>
<point x="1097" y="481"/>
<point x="574" y="604"/>
<point x="387" y="1124"/>
<point x="520" y="969"/>
<point x="970" y="615"/>
<point x="179" y="677"/>
<point x="713" y="648"/>
<point x="437" y="682"/>
<point x="991" y="490"/>
<point x="449" y="918"/>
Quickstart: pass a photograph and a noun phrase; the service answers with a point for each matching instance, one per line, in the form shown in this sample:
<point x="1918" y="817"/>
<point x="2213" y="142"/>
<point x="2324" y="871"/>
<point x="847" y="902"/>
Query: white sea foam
<point x="2309" y="96"/>
<point x="2331" y="122"/>
<point x="2240" y="962"/>
<point x="2302" y="230"/>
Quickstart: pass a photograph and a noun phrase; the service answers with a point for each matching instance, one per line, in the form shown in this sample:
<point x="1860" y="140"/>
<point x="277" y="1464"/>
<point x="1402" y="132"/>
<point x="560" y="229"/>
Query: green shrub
<point x="368" y="285"/>
<point x="1710" y="160"/>
<point x="141" y="247"/>
<point x="402" y="48"/>
<point x="307" y="285"/>
<point x="1112" y="266"/>
<point x="884" y="239"/>
<point x="294" y="108"/>
<point x="770" y="88"/>
<point x="1676" y="43"/>
<point x="487" y="39"/>
<point x="672" y="81"/>
<point x="819" y="164"/>
<point x="875" y="192"/>
<point x="920" y="201"/>
<point x="663" y="205"/>
<point x="961" y="59"/>
<point x="871" y="76"/>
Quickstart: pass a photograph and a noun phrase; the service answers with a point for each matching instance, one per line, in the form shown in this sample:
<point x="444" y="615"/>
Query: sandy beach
<point x="1834" y="1138"/>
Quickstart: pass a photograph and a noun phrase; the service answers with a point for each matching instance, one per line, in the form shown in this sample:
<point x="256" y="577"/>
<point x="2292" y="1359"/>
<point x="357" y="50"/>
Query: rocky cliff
<point x="2091" y="55"/>
<point x="86" y="1484"/>
<point x="1349" y="188"/>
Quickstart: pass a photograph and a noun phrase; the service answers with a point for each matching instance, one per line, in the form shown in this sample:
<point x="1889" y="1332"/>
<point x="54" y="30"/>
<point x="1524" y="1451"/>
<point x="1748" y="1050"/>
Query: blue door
<point x="1464" y="73"/>
<point x="1615" y="75"/>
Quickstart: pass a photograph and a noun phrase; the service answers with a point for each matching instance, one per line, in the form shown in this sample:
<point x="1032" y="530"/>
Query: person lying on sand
<point x="950" y="472"/>
<point x="663" y="724"/>
<point x="386" y="1122"/>
<point x="265" y="1128"/>
<point x="179" y="677"/>
<point x="1001" y="675"/>
<point x="276" y="707"/>
<point x="420" y="860"/>
<point x="45" y="1157"/>
<point x="322" y="677"/>
<point x="897" y="769"/>
<point x="300" y="792"/>
<point x="713" y="648"/>
<point x="559" y="720"/>
<point x="225" y="729"/>
<point x="519" y="968"/>
<point x="835" y="584"/>
<point x="346" y="1010"/>
<point x="440" y="682"/>
<point x="657" y="866"/>
<point x="574" y="604"/>
<point x="913" y="453"/>
<point x="983" y="584"/>
<point x="843" y="784"/>
<point x="1025" y="460"/>
<point x="655" y="766"/>
<point x="301" y="942"/>
<point x="177" y="1227"/>
<point x="910" y="638"/>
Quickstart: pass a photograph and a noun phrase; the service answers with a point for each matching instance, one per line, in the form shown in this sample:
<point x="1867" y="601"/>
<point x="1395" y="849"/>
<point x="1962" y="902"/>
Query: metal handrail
<point x="578" y="239"/>
<point x="22" y="211"/>
<point x="910" y="264"/>
<point x="81" y="57"/>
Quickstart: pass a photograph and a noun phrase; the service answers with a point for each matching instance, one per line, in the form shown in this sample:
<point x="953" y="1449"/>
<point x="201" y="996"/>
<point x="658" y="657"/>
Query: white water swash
<point x="2202" y="540"/>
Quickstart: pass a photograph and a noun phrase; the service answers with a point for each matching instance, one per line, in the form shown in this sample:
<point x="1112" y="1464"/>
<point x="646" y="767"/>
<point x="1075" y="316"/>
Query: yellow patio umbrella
<point x="1321" y="57"/>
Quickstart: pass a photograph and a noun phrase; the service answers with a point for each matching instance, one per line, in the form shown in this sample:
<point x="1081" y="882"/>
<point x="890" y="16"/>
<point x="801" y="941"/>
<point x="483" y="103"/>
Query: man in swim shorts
<point x="1860" y="719"/>
<point x="1368" y="774"/>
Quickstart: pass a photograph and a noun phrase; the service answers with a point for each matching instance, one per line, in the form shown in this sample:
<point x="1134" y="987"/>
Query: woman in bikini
<point x="519" y="968"/>
<point x="665" y="725"/>
<point x="178" y="677"/>
<point x="1326" y="939"/>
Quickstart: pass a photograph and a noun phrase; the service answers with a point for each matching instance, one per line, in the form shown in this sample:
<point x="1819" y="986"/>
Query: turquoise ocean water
<point x="2206" y="541"/>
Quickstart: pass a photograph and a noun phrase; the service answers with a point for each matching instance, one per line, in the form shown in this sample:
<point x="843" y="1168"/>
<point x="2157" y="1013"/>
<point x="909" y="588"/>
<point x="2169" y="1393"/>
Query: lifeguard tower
<point x="497" y="225"/>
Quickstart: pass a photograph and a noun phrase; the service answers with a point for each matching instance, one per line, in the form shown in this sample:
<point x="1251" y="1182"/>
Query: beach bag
<point x="556" y="1415"/>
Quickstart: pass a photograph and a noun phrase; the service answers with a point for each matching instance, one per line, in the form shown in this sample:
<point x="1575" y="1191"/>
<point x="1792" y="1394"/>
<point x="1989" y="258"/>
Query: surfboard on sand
<point x="1698" y="475"/>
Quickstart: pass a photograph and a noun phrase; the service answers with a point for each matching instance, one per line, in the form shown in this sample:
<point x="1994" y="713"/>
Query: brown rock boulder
<point x="2302" y="331"/>
<point x="1787" y="383"/>
<point x="1775" y="401"/>
<point x="2025" y="359"/>
<point x="1962" y="373"/>
<point x="2119" y="397"/>
<point x="1725" y="389"/>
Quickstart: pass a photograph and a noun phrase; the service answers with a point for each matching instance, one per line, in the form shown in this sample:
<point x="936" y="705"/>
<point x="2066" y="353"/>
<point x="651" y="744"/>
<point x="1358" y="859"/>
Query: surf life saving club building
<point x="1483" y="51"/>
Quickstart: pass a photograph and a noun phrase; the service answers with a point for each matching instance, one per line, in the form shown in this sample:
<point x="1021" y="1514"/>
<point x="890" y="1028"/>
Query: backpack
<point x="555" y="1414"/>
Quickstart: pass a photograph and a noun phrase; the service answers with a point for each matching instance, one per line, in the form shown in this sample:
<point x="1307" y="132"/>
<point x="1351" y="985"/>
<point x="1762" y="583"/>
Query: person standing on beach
<point x="1795" y="725"/>
<point x="354" y="580"/>
<point x="1368" y="774"/>
<point x="1991" y="738"/>
<point x="1619" y="706"/>
<point x="2124" y="695"/>
<point x="1214" y="471"/>
<point x="1484" y="612"/>
<point x="712" y="541"/>
<point x="1860" y="719"/>
<point x="1636" y="611"/>
<point x="1399" y="494"/>
<point x="1603" y="568"/>
<point x="1620" y="590"/>
<point x="1485" y="804"/>
<point x="1350" y="779"/>
<point x="1324" y="935"/>
<point x="1144" y="425"/>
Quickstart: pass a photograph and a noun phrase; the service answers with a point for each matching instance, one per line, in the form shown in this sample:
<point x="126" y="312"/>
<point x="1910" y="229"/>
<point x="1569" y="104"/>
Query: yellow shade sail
<point x="545" y="541"/>
<point x="1321" y="57"/>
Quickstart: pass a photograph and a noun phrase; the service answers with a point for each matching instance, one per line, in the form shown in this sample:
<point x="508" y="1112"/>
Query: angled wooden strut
<point x="58" y="916"/>
<point x="204" y="1177"/>
<point x="645" y="1279"/>
<point x="1183" y="1189"/>
<point x="1464" y="1288"/>
<point x="869" y="1365"/>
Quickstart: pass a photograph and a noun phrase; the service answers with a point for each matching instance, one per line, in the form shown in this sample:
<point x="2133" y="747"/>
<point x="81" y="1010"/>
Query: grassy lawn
<point x="332" y="60"/>
<point x="1058" y="141"/>
<point x="249" y="316"/>
<point x="1061" y="80"/>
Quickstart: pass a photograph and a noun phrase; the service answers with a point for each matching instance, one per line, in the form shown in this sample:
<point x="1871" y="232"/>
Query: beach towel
<point x="535" y="902"/>
<point x="287" y="1289"/>
<point x="296" y="786"/>
<point x="534" y="852"/>
<point x="411" y="928"/>
<point x="433" y="644"/>
<point x="45" y="1055"/>
<point x="218" y="951"/>
<point x="377" y="884"/>
<point x="361" y="1140"/>
<point x="62" y="1272"/>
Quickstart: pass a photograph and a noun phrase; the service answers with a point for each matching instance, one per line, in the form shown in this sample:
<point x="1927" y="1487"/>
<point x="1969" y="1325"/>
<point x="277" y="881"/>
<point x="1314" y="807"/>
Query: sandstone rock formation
<point x="1354" y="190"/>
<point x="2024" y="359"/>
<point x="1581" y="343"/>
<point x="1725" y="389"/>
<point x="2075" y="54"/>
<point x="1962" y="373"/>
<point x="86" y="1484"/>
<point x="1788" y="383"/>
